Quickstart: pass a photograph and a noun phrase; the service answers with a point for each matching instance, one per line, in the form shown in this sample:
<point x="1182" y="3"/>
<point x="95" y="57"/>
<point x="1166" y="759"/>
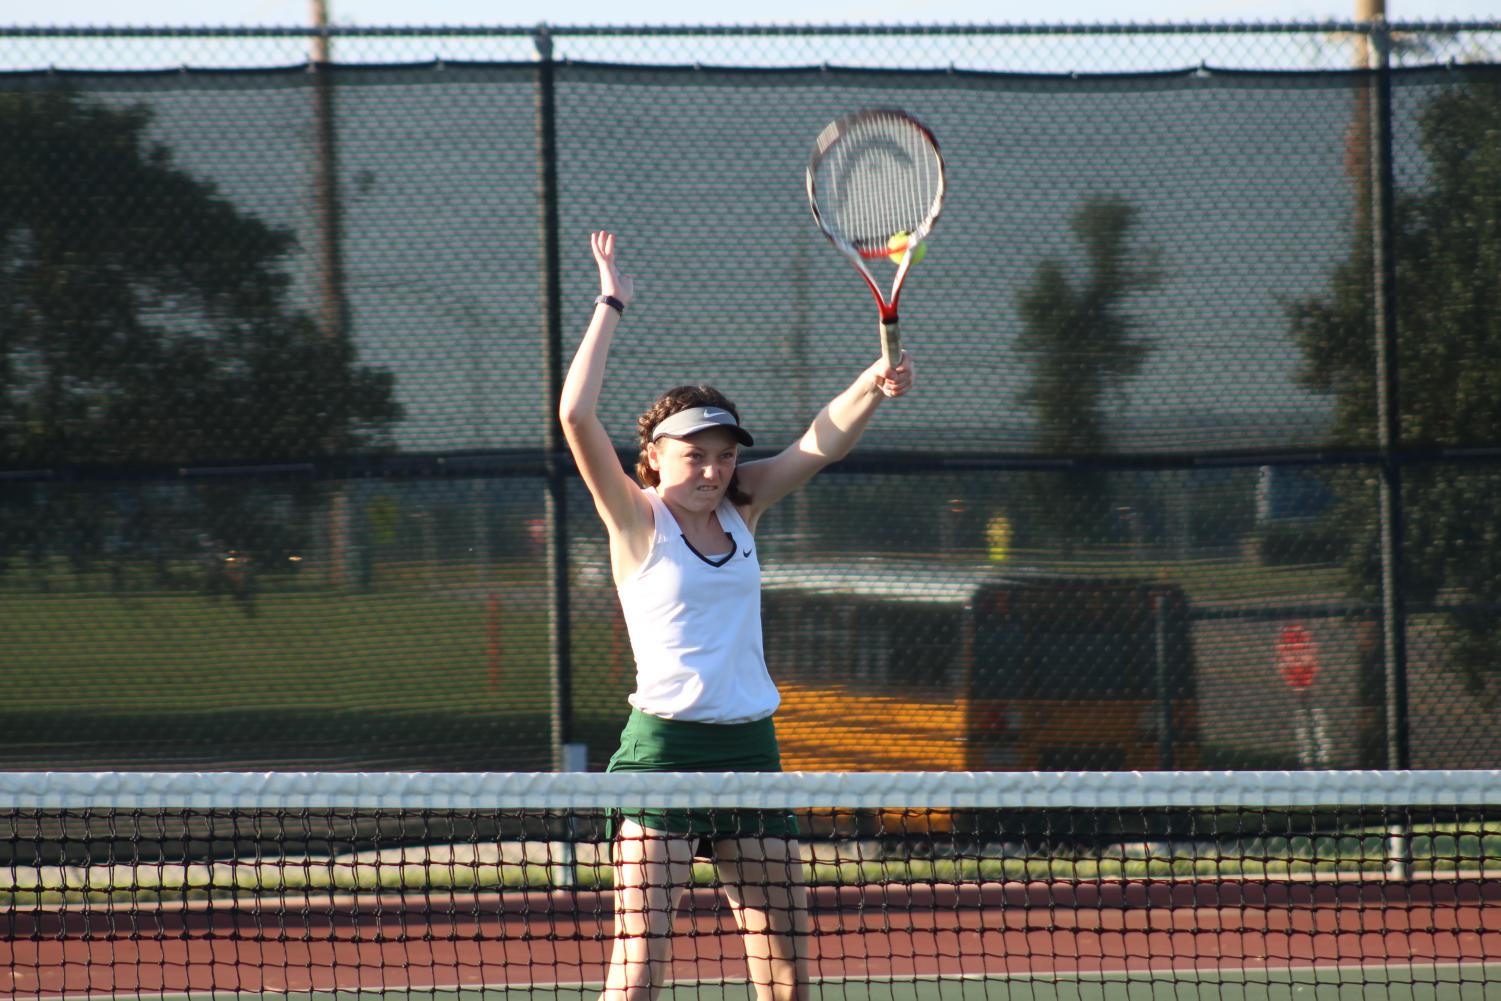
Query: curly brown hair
<point x="674" y="401"/>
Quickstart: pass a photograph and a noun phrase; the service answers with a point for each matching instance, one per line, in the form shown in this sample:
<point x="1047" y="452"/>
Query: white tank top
<point x="695" y="626"/>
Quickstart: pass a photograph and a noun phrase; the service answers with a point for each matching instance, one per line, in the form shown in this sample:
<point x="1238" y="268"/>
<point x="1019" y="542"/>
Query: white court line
<point x="1424" y="974"/>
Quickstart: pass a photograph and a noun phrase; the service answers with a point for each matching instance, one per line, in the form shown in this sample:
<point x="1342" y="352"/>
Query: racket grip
<point x="891" y="342"/>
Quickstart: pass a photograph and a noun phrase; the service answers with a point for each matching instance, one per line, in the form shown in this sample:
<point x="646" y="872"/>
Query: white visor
<point x="696" y="419"/>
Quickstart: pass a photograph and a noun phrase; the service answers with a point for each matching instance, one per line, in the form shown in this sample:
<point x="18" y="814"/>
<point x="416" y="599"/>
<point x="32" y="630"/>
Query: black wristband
<point x="612" y="302"/>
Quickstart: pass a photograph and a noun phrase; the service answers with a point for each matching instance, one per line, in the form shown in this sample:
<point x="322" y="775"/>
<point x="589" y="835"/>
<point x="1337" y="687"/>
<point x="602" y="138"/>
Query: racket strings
<point x="880" y="177"/>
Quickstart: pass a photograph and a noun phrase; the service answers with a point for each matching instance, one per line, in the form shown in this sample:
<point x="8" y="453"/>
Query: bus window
<point x="914" y="667"/>
<point x="1066" y="644"/>
<point x="878" y="646"/>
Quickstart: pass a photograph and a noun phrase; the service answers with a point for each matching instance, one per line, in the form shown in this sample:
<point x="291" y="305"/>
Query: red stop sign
<point x="1297" y="656"/>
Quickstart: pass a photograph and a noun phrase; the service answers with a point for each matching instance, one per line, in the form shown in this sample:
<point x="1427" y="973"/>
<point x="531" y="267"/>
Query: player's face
<point x="695" y="471"/>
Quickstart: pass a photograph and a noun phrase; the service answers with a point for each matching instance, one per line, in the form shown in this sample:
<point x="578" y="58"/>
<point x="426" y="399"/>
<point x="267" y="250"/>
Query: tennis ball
<point x="896" y="248"/>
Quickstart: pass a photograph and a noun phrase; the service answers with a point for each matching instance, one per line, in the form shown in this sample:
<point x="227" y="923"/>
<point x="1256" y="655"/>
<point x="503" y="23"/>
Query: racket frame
<point x="891" y="344"/>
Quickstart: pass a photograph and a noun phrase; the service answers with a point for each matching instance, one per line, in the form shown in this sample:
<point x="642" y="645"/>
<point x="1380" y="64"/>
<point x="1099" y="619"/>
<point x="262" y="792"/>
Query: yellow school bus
<point x="888" y="665"/>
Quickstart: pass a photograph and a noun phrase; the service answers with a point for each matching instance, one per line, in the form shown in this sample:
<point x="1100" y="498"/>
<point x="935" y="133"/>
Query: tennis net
<point x="951" y="885"/>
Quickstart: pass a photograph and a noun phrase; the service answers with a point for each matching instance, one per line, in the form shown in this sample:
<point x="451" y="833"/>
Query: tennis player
<point x="683" y="555"/>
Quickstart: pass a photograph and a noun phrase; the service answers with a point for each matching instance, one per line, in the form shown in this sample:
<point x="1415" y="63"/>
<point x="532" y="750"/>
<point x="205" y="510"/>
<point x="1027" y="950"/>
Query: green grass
<point x="195" y="882"/>
<point x="418" y="643"/>
<point x="189" y="653"/>
<point x="1435" y="850"/>
<point x="401" y="675"/>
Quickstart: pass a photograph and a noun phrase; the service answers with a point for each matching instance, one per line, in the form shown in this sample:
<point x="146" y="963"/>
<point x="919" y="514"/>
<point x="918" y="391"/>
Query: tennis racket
<point x="874" y="176"/>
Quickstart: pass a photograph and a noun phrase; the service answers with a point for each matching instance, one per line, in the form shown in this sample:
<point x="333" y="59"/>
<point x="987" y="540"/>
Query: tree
<point x="1084" y="346"/>
<point x="1448" y="312"/>
<point x="144" y="318"/>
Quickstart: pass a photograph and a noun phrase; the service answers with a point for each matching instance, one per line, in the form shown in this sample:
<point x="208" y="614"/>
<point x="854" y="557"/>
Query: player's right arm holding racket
<point x="626" y="514"/>
<point x="829" y="438"/>
<point x="875" y="186"/>
<point x="618" y="499"/>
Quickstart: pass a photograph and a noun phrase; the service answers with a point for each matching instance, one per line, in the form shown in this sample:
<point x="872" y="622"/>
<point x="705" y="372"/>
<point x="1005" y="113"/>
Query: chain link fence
<point x="1202" y="469"/>
<point x="1039" y="48"/>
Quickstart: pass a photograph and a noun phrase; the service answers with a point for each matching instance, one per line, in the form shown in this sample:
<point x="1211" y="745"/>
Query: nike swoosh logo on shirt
<point x="746" y="553"/>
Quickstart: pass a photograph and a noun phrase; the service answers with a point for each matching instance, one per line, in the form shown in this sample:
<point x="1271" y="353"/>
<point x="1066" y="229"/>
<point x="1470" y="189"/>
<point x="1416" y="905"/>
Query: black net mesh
<point x="1067" y="886"/>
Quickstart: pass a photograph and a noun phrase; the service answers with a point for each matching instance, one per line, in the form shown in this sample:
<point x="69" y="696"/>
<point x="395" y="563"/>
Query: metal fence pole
<point x="333" y="300"/>
<point x="559" y="625"/>
<point x="1164" y="684"/>
<point x="1393" y="604"/>
<point x="1384" y="265"/>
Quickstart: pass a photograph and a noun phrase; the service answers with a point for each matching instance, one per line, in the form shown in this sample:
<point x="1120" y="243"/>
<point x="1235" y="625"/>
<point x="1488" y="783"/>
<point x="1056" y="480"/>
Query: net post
<point x="562" y="855"/>
<point x="560" y="718"/>
<point x="1399" y="849"/>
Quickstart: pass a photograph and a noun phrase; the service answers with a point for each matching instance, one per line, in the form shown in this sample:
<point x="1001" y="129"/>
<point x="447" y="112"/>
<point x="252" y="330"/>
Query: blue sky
<point x="404" y="12"/>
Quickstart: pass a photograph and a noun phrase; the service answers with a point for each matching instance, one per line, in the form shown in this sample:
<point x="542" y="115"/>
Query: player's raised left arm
<point x="830" y="437"/>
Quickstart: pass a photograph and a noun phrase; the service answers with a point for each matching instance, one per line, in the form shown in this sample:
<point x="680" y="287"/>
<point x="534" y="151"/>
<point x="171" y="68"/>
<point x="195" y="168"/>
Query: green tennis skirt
<point x="652" y="744"/>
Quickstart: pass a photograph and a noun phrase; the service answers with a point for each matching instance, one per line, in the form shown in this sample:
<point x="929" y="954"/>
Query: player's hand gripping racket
<point x="876" y="177"/>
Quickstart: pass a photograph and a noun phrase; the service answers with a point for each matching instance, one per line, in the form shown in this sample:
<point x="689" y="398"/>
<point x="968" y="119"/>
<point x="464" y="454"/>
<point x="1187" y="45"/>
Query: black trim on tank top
<point x="713" y="563"/>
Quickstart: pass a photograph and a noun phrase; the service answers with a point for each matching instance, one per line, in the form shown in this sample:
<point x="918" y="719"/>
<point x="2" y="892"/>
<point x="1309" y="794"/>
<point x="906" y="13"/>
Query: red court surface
<point x="522" y="939"/>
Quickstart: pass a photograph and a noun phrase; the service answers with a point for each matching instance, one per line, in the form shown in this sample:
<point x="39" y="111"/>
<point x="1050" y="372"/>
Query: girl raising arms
<point x="683" y="556"/>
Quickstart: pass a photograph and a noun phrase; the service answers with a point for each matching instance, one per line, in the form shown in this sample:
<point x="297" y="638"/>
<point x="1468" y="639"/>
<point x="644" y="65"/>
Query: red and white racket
<point x="875" y="184"/>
